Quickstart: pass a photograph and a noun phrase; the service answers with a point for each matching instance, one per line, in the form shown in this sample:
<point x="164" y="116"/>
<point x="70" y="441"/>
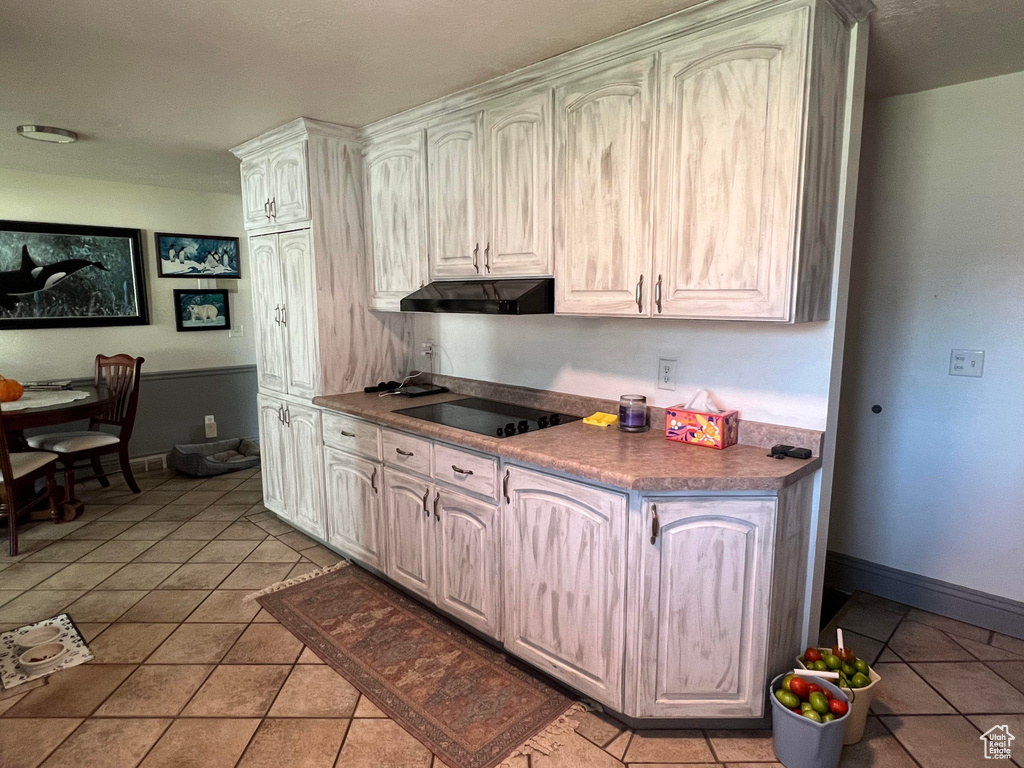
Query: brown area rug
<point x="468" y="703"/>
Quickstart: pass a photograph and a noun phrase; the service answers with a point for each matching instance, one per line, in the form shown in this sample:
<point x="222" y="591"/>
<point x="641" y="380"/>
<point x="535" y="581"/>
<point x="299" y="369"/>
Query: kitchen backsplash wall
<point x="770" y="373"/>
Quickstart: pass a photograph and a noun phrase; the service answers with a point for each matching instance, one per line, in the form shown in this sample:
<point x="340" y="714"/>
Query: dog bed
<point x="205" y="459"/>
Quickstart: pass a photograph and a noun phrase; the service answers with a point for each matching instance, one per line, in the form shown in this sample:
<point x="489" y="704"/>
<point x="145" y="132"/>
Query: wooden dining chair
<point x="18" y="475"/>
<point x="120" y="375"/>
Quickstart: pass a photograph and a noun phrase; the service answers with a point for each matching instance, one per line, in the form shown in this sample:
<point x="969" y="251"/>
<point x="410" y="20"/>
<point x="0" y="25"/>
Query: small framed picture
<point x="197" y="256"/>
<point x="201" y="310"/>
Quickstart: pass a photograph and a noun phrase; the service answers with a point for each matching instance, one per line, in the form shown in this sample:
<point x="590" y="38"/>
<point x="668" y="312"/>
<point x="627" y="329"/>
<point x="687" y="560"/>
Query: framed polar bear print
<point x="201" y="309"/>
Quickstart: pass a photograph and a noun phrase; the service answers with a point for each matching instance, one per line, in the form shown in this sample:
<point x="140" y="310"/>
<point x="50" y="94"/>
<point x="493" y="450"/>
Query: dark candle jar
<point x="633" y="413"/>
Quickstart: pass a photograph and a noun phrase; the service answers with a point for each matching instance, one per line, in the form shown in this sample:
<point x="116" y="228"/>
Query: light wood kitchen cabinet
<point x="293" y="483"/>
<point x="396" y="217"/>
<point x="728" y="170"/>
<point x="565" y="574"/>
<point x="518" y="175"/>
<point x="275" y="187"/>
<point x="468" y="574"/>
<point x="411" y="556"/>
<point x="355" y="520"/>
<point x="602" y="190"/>
<point x="457" y="203"/>
<point x="706" y="581"/>
<point x="285" y="313"/>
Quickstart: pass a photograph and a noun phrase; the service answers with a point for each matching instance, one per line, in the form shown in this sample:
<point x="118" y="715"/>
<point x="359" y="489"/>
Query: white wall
<point x="69" y="352"/>
<point x="935" y="483"/>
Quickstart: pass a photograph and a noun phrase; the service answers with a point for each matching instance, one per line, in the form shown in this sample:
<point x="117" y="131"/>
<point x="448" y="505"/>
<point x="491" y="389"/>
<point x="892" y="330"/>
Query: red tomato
<point x="847" y="655"/>
<point x="812" y="655"/>
<point x="798" y="711"/>
<point x="828" y="693"/>
<point x="838" y="707"/>
<point x="800" y="687"/>
<point x="812" y="687"/>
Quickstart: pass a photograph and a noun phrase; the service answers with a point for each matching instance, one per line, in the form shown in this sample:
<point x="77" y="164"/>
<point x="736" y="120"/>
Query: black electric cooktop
<point x="488" y="417"/>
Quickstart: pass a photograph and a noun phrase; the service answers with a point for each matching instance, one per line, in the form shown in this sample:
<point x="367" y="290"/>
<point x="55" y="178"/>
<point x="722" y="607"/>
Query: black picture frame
<point x="201" y="246"/>
<point x="102" y="283"/>
<point x="215" y="297"/>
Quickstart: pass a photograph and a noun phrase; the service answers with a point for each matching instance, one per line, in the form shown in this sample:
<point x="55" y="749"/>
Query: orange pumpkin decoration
<point x="10" y="390"/>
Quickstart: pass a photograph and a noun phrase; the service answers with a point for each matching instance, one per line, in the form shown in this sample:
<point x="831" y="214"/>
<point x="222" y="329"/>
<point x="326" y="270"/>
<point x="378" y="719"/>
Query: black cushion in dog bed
<point x="205" y="459"/>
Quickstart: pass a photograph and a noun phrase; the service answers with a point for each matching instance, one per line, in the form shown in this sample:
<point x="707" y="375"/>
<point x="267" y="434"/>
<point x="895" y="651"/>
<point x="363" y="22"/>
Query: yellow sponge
<point x="601" y="419"/>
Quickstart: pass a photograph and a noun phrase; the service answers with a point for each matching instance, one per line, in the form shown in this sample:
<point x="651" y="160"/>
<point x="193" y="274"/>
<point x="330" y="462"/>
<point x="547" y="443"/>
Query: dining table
<point x="15" y="421"/>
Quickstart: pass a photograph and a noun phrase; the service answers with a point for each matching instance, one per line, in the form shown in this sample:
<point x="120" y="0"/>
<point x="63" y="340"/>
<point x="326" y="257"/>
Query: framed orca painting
<point x="197" y="256"/>
<point x="70" y="276"/>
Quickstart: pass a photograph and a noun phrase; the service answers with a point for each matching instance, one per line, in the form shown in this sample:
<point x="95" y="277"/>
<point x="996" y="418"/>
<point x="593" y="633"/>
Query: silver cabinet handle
<point x="640" y="294"/>
<point x="373" y="480"/>
<point x="288" y="416"/>
<point x="487" y="258"/>
<point x="266" y="209"/>
<point x="504" y="486"/>
<point x="284" y="314"/>
<point x="657" y="294"/>
<point x="476" y="254"/>
<point x="277" y="314"/>
<point x="400" y="452"/>
<point x="347" y="434"/>
<point x="462" y="471"/>
<point x="273" y="207"/>
<point x="426" y="495"/>
<point x="655" y="523"/>
<point x="437" y="498"/>
<point x="280" y="413"/>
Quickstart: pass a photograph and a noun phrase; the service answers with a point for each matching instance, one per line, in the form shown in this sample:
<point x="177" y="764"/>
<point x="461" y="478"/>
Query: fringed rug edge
<point x="298" y="580"/>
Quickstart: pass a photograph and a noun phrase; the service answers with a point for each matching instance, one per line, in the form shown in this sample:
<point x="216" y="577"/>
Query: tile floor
<point x="187" y="673"/>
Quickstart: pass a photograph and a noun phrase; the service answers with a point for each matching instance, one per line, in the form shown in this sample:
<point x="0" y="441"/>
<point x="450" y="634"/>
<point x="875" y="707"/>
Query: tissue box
<point x="714" y="430"/>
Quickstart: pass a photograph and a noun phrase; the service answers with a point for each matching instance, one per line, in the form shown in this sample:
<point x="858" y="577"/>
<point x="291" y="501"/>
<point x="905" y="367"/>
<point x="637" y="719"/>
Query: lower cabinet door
<point x="410" y="532"/>
<point x="706" y="584"/>
<point x="306" y="476"/>
<point x="565" y="580"/>
<point x="354" y="519"/>
<point x="468" y="560"/>
<point x="274" y="454"/>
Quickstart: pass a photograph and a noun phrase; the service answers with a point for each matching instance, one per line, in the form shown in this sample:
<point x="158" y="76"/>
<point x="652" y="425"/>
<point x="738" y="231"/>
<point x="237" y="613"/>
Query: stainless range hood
<point x="512" y="296"/>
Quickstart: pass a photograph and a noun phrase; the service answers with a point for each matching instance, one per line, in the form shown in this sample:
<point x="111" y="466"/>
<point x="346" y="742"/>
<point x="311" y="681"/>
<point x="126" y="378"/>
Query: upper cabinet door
<point x="410" y="532"/>
<point x="289" y="182"/>
<point x="271" y="361"/>
<point x="354" y="523"/>
<point x="256" y="192"/>
<point x="565" y="580"/>
<point x="519" y="191"/>
<point x="706" y="585"/>
<point x="468" y="560"/>
<point x="728" y="167"/>
<point x="456" y="197"/>
<point x="602" y="191"/>
<point x="396" y="217"/>
<point x="299" y="313"/>
<point x="307" y="470"/>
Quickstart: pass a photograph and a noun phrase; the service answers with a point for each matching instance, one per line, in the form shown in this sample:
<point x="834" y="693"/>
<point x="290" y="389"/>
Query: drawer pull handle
<point x="400" y="452"/>
<point x="426" y="495"/>
<point x="462" y="471"/>
<point x="504" y="486"/>
<point x="347" y="434"/>
<point x="437" y="498"/>
<point x="373" y="480"/>
<point x="655" y="523"/>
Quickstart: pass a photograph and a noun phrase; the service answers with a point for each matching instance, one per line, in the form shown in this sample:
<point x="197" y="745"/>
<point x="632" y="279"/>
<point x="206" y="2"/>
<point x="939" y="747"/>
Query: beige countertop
<point x="639" y="461"/>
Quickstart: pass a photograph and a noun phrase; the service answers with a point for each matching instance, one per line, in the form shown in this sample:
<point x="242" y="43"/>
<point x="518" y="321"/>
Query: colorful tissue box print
<point x="714" y="430"/>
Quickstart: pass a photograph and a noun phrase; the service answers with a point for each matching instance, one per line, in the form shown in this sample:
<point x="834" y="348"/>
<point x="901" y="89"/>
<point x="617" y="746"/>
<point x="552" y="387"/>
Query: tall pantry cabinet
<point x="302" y="194"/>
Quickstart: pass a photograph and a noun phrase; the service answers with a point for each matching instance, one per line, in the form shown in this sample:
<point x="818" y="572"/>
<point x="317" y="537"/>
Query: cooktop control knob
<point x="501" y="431"/>
<point x="510" y="428"/>
<point x="523" y="426"/>
<point x="542" y="422"/>
<point x="556" y="418"/>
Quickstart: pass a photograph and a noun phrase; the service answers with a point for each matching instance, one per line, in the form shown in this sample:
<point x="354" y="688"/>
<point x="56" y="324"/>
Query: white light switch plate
<point x="967" y="362"/>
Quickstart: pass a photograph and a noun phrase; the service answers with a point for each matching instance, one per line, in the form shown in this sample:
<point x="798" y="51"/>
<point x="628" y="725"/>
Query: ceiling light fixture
<point x="47" y="133"/>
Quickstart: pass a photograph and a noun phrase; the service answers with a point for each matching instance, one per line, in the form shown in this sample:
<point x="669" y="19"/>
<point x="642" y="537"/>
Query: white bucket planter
<point x="860" y="702"/>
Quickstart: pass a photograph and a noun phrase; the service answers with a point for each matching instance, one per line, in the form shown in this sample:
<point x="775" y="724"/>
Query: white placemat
<point x="11" y="673"/>
<point x="43" y="399"/>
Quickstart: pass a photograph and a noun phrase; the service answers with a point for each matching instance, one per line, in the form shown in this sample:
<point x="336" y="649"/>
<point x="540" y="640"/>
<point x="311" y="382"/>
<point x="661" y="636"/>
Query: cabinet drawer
<point x="406" y="451"/>
<point x="471" y="472"/>
<point x="351" y="434"/>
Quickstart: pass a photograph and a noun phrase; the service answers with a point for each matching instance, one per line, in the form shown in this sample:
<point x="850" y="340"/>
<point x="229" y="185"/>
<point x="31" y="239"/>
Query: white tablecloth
<point x="42" y="399"/>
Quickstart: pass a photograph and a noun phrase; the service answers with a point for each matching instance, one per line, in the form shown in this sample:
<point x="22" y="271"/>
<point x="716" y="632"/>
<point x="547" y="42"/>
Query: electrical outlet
<point x="667" y="374"/>
<point x="211" y="426"/>
<point x="967" y="362"/>
<point x="236" y="332"/>
<point x="428" y="348"/>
